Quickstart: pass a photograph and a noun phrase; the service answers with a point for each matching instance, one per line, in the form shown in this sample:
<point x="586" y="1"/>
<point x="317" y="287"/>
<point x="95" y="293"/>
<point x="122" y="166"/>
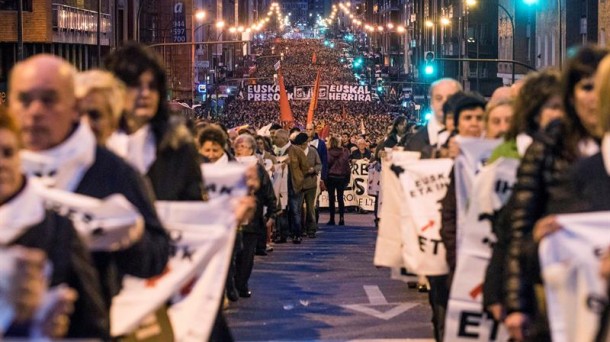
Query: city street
<point x="327" y="289"/>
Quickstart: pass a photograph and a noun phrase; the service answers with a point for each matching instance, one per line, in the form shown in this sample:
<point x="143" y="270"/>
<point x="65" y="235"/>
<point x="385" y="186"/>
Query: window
<point x="11" y="5"/>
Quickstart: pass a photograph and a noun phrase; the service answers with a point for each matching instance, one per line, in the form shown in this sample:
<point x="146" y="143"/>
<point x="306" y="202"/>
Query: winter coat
<point x="265" y="197"/>
<point x="109" y="175"/>
<point x="540" y="190"/>
<point x="311" y="178"/>
<point x="338" y="163"/>
<point x="175" y="175"/>
<point x="297" y="166"/>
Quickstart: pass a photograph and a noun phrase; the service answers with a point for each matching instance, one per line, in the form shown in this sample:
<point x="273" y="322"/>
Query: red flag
<point x="314" y="58"/>
<point x="313" y="103"/>
<point x="285" y="112"/>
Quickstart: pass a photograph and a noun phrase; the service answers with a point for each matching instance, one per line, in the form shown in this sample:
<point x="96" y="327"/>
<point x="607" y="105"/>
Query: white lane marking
<point x="374" y="294"/>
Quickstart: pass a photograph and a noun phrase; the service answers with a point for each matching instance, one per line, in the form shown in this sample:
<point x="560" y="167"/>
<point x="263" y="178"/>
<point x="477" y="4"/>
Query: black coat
<point x="540" y="190"/>
<point x="419" y="142"/>
<point x="72" y="266"/>
<point x="175" y="175"/>
<point x="449" y="227"/>
<point x="265" y="197"/>
<point x="146" y="258"/>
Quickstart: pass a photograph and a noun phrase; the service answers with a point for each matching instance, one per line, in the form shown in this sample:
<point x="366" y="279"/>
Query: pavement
<point x="327" y="289"/>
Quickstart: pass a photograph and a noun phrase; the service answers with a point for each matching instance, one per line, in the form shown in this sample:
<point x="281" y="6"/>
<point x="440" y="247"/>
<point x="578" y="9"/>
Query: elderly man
<point x="310" y="185"/>
<point x="362" y="152"/>
<point x="297" y="168"/>
<point x="62" y="150"/>
<point x="320" y="146"/>
<point x="426" y="140"/>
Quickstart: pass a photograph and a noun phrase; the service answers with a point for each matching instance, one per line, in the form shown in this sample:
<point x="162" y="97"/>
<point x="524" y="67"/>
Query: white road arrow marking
<point x="376" y="298"/>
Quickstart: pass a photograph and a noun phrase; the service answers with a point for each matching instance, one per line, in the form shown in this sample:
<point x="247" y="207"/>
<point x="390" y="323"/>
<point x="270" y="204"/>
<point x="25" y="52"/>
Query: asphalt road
<point x="327" y="289"/>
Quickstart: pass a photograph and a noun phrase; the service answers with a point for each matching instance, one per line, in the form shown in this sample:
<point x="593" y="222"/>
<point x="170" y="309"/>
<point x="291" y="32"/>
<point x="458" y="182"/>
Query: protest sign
<point x="570" y="263"/>
<point x="356" y="192"/>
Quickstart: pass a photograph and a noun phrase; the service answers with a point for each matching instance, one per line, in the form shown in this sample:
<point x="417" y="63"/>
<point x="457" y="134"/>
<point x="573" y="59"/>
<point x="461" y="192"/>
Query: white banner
<point x="569" y="259"/>
<point x="356" y="192"/>
<point x="425" y="185"/>
<point x="226" y="179"/>
<point x="202" y="235"/>
<point x="490" y="191"/>
<point x="392" y="214"/>
<point x="474" y="153"/>
<point x="470" y="324"/>
<point x="332" y="92"/>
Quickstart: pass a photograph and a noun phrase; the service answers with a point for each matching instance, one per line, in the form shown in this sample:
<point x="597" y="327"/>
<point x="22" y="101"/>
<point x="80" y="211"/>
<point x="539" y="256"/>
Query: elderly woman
<point x="101" y="99"/>
<point x="244" y="147"/>
<point x="29" y="234"/>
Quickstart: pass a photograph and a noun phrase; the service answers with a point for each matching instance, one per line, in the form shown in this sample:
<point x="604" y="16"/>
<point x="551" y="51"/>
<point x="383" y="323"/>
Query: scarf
<point x="224" y="160"/>
<point x="138" y="149"/>
<point x="434" y="127"/>
<point x="247" y="160"/>
<point x="63" y="166"/>
<point x="20" y="213"/>
<point x="280" y="151"/>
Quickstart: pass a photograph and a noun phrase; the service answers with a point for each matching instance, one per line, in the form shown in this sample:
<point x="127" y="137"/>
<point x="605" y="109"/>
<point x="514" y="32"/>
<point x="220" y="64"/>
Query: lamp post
<point x="512" y="28"/>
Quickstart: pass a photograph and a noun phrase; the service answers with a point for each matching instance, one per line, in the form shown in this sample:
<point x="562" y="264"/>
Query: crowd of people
<point x="100" y="133"/>
<point x="348" y="116"/>
<point x="301" y="60"/>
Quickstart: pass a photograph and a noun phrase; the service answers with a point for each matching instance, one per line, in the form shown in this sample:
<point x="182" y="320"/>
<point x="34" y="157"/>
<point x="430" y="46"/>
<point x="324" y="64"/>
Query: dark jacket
<point x="265" y="197"/>
<point x="175" y="175"/>
<point x="419" y="142"/>
<point x="297" y="167"/>
<point x="361" y="155"/>
<point x="147" y="257"/>
<point x="338" y="163"/>
<point x="540" y="190"/>
<point x="72" y="266"/>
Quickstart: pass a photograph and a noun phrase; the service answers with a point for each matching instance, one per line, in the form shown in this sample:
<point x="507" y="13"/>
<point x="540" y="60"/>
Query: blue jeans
<point x="295" y="205"/>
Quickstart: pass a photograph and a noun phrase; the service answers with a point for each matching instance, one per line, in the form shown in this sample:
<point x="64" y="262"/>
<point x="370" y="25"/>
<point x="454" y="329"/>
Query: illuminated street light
<point x="390" y="26"/>
<point x="380" y="28"/>
<point x="429" y="23"/>
<point x="240" y="29"/>
<point x="220" y="24"/>
<point x="200" y="15"/>
<point x="445" y="21"/>
<point x="471" y="2"/>
<point x="400" y="29"/>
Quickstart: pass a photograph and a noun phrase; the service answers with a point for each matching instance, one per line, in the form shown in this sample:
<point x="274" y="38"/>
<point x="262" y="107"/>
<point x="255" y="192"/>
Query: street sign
<point x="202" y="88"/>
<point x="179" y="23"/>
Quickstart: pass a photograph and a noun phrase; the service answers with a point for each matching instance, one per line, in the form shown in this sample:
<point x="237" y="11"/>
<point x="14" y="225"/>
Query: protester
<point x="310" y="184"/>
<point x="537" y="104"/>
<point x="155" y="144"/>
<point x="33" y="237"/>
<point x="497" y="118"/>
<point x="338" y="177"/>
<point x="101" y="98"/>
<point x="42" y="98"/>
<point x="468" y="112"/>
<point x="297" y="168"/>
<point x="245" y="145"/>
<point x="397" y="133"/>
<point x="536" y="196"/>
<point x="362" y="152"/>
<point x="426" y="140"/>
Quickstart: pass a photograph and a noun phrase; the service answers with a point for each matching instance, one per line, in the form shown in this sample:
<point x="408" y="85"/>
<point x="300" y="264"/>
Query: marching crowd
<point x="99" y="133"/>
<point x="301" y="60"/>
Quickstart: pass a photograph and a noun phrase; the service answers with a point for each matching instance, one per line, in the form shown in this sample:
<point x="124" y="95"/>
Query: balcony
<point x="79" y="26"/>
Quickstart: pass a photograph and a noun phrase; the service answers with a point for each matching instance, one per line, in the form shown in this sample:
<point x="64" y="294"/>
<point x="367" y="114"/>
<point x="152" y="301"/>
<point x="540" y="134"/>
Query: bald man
<point x="426" y="140"/>
<point x="62" y="150"/>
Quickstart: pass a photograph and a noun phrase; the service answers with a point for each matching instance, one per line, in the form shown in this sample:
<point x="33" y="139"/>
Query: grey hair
<point x="443" y="80"/>
<point x="248" y="139"/>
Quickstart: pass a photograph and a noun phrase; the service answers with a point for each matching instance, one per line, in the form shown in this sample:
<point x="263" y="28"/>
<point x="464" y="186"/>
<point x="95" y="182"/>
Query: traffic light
<point x="530" y="2"/>
<point x="430" y="64"/>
